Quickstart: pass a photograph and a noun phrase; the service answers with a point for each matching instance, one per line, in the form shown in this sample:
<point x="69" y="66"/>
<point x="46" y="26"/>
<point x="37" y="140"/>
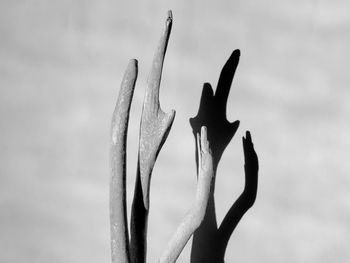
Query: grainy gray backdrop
<point x="61" y="63"/>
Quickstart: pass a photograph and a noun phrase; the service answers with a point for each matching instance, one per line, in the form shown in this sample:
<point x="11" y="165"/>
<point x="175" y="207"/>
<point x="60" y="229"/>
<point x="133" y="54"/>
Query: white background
<point x="61" y="63"/>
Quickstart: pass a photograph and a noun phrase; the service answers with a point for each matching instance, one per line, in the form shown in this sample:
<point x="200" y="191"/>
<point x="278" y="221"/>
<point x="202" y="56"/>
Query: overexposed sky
<point x="61" y="63"/>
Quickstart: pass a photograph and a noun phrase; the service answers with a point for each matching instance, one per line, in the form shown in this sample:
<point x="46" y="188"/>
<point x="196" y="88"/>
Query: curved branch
<point x="195" y="216"/>
<point x="246" y="199"/>
<point x="117" y="205"/>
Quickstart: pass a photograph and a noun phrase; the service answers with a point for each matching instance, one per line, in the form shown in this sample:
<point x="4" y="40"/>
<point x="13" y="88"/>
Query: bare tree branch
<point x="195" y="216"/>
<point x="209" y="241"/>
<point x="154" y="129"/>
<point x="120" y="119"/>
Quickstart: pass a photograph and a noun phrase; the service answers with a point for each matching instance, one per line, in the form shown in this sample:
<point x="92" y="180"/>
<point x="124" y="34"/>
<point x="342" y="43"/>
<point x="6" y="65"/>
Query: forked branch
<point x="215" y="133"/>
<point x="154" y="128"/>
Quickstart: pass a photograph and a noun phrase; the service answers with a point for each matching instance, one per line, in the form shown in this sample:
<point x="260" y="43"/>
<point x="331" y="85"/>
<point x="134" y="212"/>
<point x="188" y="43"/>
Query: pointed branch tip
<point x="170" y="15"/>
<point x="169" y="19"/>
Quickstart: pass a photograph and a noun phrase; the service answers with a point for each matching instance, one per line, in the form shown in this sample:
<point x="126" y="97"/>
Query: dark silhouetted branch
<point x="212" y="114"/>
<point x="210" y="242"/>
<point x="212" y="110"/>
<point x="246" y="199"/>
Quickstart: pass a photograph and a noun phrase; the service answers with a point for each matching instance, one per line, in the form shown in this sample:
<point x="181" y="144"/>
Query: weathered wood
<point x="213" y="133"/>
<point x="195" y="215"/>
<point x="154" y="129"/>
<point x="120" y="119"/>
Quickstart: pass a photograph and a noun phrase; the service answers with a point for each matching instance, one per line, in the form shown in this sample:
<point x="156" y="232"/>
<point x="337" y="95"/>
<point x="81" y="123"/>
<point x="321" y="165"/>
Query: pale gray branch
<point x="195" y="216"/>
<point x="155" y="124"/>
<point x="154" y="128"/>
<point x="119" y="127"/>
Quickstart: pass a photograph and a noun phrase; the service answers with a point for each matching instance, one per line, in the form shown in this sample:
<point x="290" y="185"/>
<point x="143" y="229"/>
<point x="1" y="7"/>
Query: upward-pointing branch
<point x="154" y="129"/>
<point x="195" y="215"/>
<point x="155" y="124"/>
<point x="117" y="205"/>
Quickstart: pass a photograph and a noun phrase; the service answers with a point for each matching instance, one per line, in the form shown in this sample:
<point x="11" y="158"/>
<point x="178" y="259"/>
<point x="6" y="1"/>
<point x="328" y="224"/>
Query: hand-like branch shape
<point x="195" y="215"/>
<point x="155" y="125"/>
<point x="120" y="120"/>
<point x="212" y="114"/>
<point x="212" y="110"/>
<point x="209" y="241"/>
<point x="247" y="198"/>
<point x="154" y="129"/>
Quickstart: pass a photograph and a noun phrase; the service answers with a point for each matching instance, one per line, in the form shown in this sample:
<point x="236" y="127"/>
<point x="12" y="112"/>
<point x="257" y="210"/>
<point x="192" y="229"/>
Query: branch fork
<point x="154" y="129"/>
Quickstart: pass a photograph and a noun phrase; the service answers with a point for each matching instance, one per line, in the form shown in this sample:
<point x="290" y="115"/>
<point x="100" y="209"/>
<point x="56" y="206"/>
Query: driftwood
<point x="195" y="215"/>
<point x="154" y="128"/>
<point x="212" y="132"/>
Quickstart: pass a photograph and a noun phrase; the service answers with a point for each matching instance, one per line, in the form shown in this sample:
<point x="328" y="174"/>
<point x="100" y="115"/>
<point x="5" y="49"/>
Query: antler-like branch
<point x="195" y="216"/>
<point x="155" y="126"/>
<point x="120" y="119"/>
<point x="210" y="242"/>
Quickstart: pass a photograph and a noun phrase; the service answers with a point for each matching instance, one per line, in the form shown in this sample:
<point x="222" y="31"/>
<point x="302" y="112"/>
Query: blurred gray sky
<point x="61" y="63"/>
